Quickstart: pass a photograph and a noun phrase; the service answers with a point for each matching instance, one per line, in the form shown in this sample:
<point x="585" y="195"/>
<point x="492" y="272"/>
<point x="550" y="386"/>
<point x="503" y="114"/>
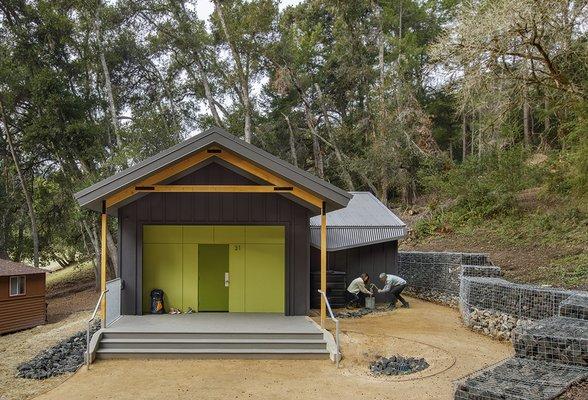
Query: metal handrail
<point x="88" y="361"/>
<point x="336" y="321"/>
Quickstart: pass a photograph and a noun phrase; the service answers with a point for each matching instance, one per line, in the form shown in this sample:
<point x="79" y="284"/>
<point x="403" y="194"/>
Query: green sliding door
<point x="189" y="263"/>
<point x="213" y="264"/>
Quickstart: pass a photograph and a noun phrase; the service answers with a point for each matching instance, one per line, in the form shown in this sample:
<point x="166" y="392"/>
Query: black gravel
<point x="66" y="356"/>
<point x="398" y="365"/>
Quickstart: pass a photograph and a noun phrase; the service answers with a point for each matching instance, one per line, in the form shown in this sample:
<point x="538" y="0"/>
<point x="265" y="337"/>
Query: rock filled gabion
<point x="519" y="378"/>
<point x="556" y="339"/>
<point x="496" y="324"/>
<point x="576" y="306"/>
<point x="66" y="356"/>
<point x="398" y="365"/>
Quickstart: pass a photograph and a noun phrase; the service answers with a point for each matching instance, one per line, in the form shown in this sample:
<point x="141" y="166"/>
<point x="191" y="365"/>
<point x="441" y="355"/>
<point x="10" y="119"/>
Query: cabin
<point x="22" y="296"/>
<point x="223" y="229"/>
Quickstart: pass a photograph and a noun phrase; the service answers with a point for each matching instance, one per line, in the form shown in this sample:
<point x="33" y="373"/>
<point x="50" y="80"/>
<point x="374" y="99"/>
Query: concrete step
<point x="165" y="344"/>
<point x="252" y="353"/>
<point x="557" y="339"/>
<point x="112" y="334"/>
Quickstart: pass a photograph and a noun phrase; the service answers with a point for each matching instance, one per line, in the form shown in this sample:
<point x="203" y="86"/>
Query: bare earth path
<point x="426" y="329"/>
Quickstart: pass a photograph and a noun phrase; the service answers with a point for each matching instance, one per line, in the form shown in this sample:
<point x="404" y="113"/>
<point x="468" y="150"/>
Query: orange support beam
<point x="103" y="255"/>
<point x="323" y="262"/>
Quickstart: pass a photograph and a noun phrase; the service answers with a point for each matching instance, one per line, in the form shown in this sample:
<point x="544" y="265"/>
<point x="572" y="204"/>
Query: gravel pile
<point x="496" y="324"/>
<point x="66" y="356"/>
<point x="398" y="365"/>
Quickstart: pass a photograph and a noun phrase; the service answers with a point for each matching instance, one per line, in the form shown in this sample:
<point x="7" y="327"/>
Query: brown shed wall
<point x="26" y="311"/>
<point x="373" y="259"/>
<point x="215" y="209"/>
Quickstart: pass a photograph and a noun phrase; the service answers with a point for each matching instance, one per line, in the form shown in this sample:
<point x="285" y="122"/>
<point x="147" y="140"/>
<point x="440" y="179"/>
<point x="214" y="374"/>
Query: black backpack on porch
<point x="157" y="302"/>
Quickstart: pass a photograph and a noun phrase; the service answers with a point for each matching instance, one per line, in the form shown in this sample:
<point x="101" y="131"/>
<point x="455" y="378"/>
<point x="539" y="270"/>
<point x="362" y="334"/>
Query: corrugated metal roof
<point x="364" y="221"/>
<point x="92" y="196"/>
<point x="8" y="267"/>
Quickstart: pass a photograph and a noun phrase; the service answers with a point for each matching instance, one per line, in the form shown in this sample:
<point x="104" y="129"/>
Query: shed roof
<point x="92" y="196"/>
<point x="364" y="221"/>
<point x="9" y="268"/>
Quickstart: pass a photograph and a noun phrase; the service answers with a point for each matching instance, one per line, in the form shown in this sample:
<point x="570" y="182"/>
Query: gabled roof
<point x="9" y="268"/>
<point x="92" y="196"/>
<point x="364" y="221"/>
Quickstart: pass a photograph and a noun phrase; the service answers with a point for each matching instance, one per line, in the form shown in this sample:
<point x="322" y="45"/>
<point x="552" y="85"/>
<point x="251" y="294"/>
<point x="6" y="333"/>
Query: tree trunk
<point x="243" y="78"/>
<point x="526" y="123"/>
<point x="346" y="175"/>
<point x="293" y="153"/>
<point x="316" y="147"/>
<point x="464" y="137"/>
<point x="112" y="256"/>
<point x="90" y="230"/>
<point x="25" y="192"/>
<point x="107" y="83"/>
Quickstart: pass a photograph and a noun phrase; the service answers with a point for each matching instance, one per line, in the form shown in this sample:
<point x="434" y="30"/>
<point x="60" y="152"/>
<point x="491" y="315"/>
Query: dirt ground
<point x="66" y="315"/>
<point x="21" y="346"/>
<point x="427" y="330"/>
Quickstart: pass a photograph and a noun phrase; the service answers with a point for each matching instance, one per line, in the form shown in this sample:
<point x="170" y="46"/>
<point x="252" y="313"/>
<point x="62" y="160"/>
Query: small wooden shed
<point x="22" y="296"/>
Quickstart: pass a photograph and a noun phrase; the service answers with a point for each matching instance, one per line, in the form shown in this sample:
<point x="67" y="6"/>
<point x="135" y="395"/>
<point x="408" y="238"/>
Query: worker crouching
<point x="393" y="287"/>
<point x="356" y="291"/>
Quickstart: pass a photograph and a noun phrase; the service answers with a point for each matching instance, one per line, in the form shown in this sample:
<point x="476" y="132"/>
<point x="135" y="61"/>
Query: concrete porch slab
<point x="214" y="323"/>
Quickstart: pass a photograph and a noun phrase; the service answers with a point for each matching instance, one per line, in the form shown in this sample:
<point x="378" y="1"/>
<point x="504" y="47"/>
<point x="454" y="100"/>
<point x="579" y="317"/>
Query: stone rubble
<point x="66" y="356"/>
<point x="398" y="365"/>
<point x="495" y="324"/>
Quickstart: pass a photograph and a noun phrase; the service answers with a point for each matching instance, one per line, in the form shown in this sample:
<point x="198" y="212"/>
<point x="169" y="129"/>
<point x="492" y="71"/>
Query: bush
<point x="486" y="187"/>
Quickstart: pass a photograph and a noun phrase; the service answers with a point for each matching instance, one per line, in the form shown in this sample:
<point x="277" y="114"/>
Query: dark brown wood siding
<point x="373" y="259"/>
<point x="25" y="311"/>
<point x="215" y="209"/>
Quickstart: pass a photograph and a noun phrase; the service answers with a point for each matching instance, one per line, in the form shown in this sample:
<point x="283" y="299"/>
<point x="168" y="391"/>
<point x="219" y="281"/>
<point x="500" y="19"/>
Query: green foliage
<point x="483" y="188"/>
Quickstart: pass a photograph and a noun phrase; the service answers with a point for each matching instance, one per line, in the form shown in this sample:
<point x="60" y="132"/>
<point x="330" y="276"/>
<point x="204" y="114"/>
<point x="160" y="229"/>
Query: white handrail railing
<point x="88" y="360"/>
<point x="336" y="321"/>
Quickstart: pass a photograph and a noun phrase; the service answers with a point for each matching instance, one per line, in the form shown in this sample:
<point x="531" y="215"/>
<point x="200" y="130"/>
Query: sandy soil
<point x="22" y="346"/>
<point x="426" y="329"/>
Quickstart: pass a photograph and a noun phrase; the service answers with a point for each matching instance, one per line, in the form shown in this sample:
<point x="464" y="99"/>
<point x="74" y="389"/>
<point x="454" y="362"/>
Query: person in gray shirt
<point x="393" y="285"/>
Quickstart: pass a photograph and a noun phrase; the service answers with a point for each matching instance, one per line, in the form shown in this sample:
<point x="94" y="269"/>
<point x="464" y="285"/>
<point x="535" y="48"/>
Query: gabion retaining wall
<point x="519" y="300"/>
<point x="435" y="276"/>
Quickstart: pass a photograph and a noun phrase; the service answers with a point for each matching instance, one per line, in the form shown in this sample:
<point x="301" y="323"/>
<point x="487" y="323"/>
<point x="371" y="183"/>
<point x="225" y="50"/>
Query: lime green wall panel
<point x="174" y="257"/>
<point x="264" y="234"/>
<point x="229" y="234"/>
<point x="162" y="234"/>
<point x="213" y="263"/>
<point x="237" y="277"/>
<point x="198" y="234"/>
<point x="190" y="277"/>
<point x="162" y="269"/>
<point x="264" y="278"/>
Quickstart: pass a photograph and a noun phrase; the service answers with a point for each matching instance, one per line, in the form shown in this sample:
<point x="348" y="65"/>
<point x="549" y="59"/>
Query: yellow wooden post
<point x="103" y="263"/>
<point x="323" y="262"/>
